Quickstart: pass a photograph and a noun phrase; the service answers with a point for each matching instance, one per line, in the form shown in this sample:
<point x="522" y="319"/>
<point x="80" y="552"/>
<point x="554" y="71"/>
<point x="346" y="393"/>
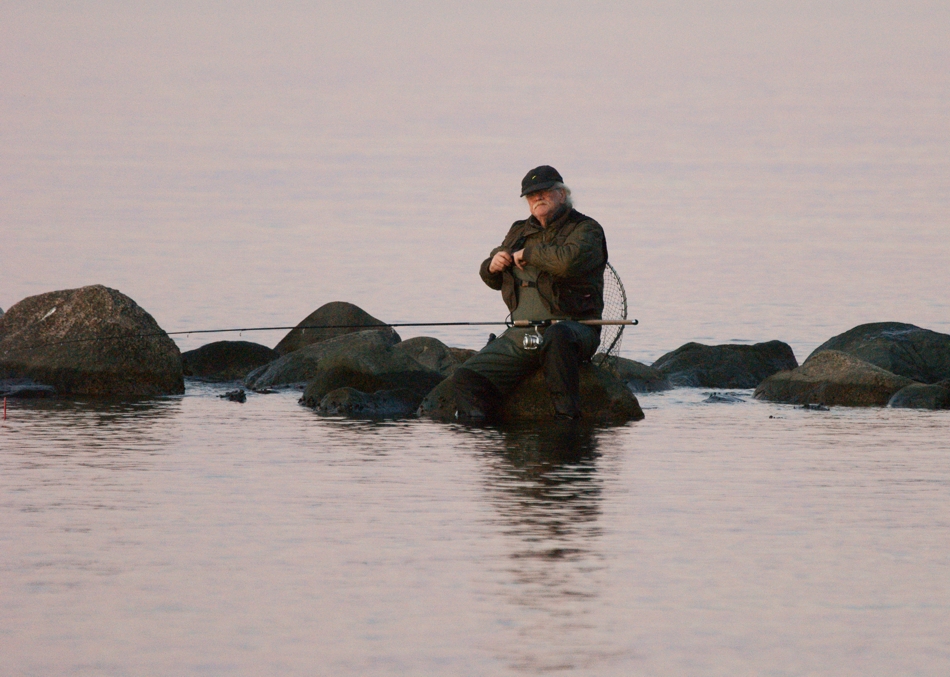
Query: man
<point x="550" y="266"/>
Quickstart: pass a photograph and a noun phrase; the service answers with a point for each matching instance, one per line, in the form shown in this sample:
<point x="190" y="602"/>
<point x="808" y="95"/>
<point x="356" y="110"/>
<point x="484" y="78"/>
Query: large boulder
<point x="832" y="378"/>
<point x="638" y="377"/>
<point x="604" y="398"/>
<point x="91" y="341"/>
<point x="352" y="403"/>
<point x="902" y="349"/>
<point x="922" y="396"/>
<point x="695" y="365"/>
<point x="300" y="366"/>
<point x="369" y="369"/>
<point x="338" y="318"/>
<point x="226" y="360"/>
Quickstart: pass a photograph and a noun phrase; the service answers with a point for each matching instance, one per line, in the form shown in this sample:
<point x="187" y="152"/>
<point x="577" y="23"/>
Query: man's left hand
<point x="519" y="259"/>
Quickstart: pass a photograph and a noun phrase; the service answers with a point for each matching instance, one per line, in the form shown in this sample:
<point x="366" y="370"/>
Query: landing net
<point x="615" y="308"/>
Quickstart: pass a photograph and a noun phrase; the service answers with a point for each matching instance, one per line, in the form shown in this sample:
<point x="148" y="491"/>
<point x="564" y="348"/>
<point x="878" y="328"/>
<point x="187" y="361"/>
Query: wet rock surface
<point x="922" y="396"/>
<point x="352" y="403"/>
<point x="333" y="314"/>
<point x="300" y="366"/>
<point x="226" y="360"/>
<point x="604" y="398"/>
<point x="833" y="378"/>
<point x="638" y="377"/>
<point x="695" y="365"/>
<point x="92" y="341"/>
<point x="903" y="349"/>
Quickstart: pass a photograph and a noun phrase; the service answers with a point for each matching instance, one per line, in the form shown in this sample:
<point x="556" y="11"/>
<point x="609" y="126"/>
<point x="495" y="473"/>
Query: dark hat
<point x="540" y="178"/>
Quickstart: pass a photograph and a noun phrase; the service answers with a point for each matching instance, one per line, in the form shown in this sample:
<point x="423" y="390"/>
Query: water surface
<point x="761" y="172"/>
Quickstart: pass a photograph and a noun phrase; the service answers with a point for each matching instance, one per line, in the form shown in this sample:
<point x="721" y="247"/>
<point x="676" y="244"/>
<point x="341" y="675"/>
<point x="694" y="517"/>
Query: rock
<point x="903" y="349"/>
<point x="638" y="377"/>
<point x="300" y="366"/>
<point x="1" y="312"/>
<point x="235" y="396"/>
<point x="369" y="369"/>
<point x="462" y="354"/>
<point x="431" y="353"/>
<point x="24" y="388"/>
<point x="729" y="398"/>
<point x="922" y="396"/>
<point x="604" y="398"/>
<point x="726" y="366"/>
<point x="333" y="314"/>
<point x="815" y="407"/>
<point x="832" y="378"/>
<point x="352" y="403"/>
<point x="91" y="341"/>
<point x="226" y="360"/>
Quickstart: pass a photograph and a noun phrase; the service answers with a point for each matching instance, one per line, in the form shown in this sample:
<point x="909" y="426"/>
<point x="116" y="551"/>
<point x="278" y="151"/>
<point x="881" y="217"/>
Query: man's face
<point x="544" y="203"/>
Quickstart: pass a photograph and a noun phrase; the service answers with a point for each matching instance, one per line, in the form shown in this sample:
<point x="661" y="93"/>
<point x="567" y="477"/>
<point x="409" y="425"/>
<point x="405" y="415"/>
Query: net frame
<point x="615" y="308"/>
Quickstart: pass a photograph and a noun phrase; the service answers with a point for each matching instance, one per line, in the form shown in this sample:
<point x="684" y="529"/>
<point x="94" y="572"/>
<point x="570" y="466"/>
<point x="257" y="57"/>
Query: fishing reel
<point x="532" y="341"/>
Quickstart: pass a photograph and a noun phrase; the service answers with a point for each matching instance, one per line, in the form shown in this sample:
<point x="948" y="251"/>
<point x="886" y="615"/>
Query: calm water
<point x="199" y="536"/>
<point x="761" y="172"/>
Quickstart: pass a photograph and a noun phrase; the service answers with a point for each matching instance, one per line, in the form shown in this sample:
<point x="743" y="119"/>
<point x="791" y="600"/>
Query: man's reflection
<point x="544" y="483"/>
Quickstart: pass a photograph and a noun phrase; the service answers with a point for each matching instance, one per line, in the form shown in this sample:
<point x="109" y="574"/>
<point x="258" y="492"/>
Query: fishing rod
<point x="509" y="323"/>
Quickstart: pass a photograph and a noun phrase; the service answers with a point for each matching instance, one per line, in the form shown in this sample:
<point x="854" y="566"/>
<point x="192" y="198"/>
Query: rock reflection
<point x="108" y="430"/>
<point x="544" y="483"/>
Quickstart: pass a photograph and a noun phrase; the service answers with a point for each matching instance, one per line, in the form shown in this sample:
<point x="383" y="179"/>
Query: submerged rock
<point x="226" y="360"/>
<point x="604" y="398"/>
<point x="728" y="398"/>
<point x="300" y="366"/>
<point x="24" y="388"/>
<point x="93" y="341"/>
<point x="832" y="378"/>
<point x="922" y="396"/>
<point x="638" y="377"/>
<point x="353" y="318"/>
<point x="352" y="403"/>
<point x="725" y="366"/>
<point x="903" y="349"/>
<point x="235" y="395"/>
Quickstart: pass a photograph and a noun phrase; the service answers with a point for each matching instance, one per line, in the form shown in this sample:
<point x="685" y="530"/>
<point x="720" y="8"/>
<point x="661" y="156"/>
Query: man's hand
<point x="519" y="259"/>
<point x="499" y="262"/>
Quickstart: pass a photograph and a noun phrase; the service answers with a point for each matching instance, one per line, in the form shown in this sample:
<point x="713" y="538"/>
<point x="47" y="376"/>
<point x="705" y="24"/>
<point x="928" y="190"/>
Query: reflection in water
<point x="110" y="431"/>
<point x="547" y="489"/>
<point x="544" y="484"/>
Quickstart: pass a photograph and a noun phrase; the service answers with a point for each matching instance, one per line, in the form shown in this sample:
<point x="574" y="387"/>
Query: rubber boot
<point x="561" y="360"/>
<point x="477" y="399"/>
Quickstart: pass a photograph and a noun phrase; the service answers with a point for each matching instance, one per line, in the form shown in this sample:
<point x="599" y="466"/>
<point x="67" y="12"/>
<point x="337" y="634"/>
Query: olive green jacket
<point x="570" y="253"/>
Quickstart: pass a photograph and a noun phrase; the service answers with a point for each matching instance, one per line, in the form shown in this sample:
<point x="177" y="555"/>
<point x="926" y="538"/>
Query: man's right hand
<point x="499" y="262"/>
